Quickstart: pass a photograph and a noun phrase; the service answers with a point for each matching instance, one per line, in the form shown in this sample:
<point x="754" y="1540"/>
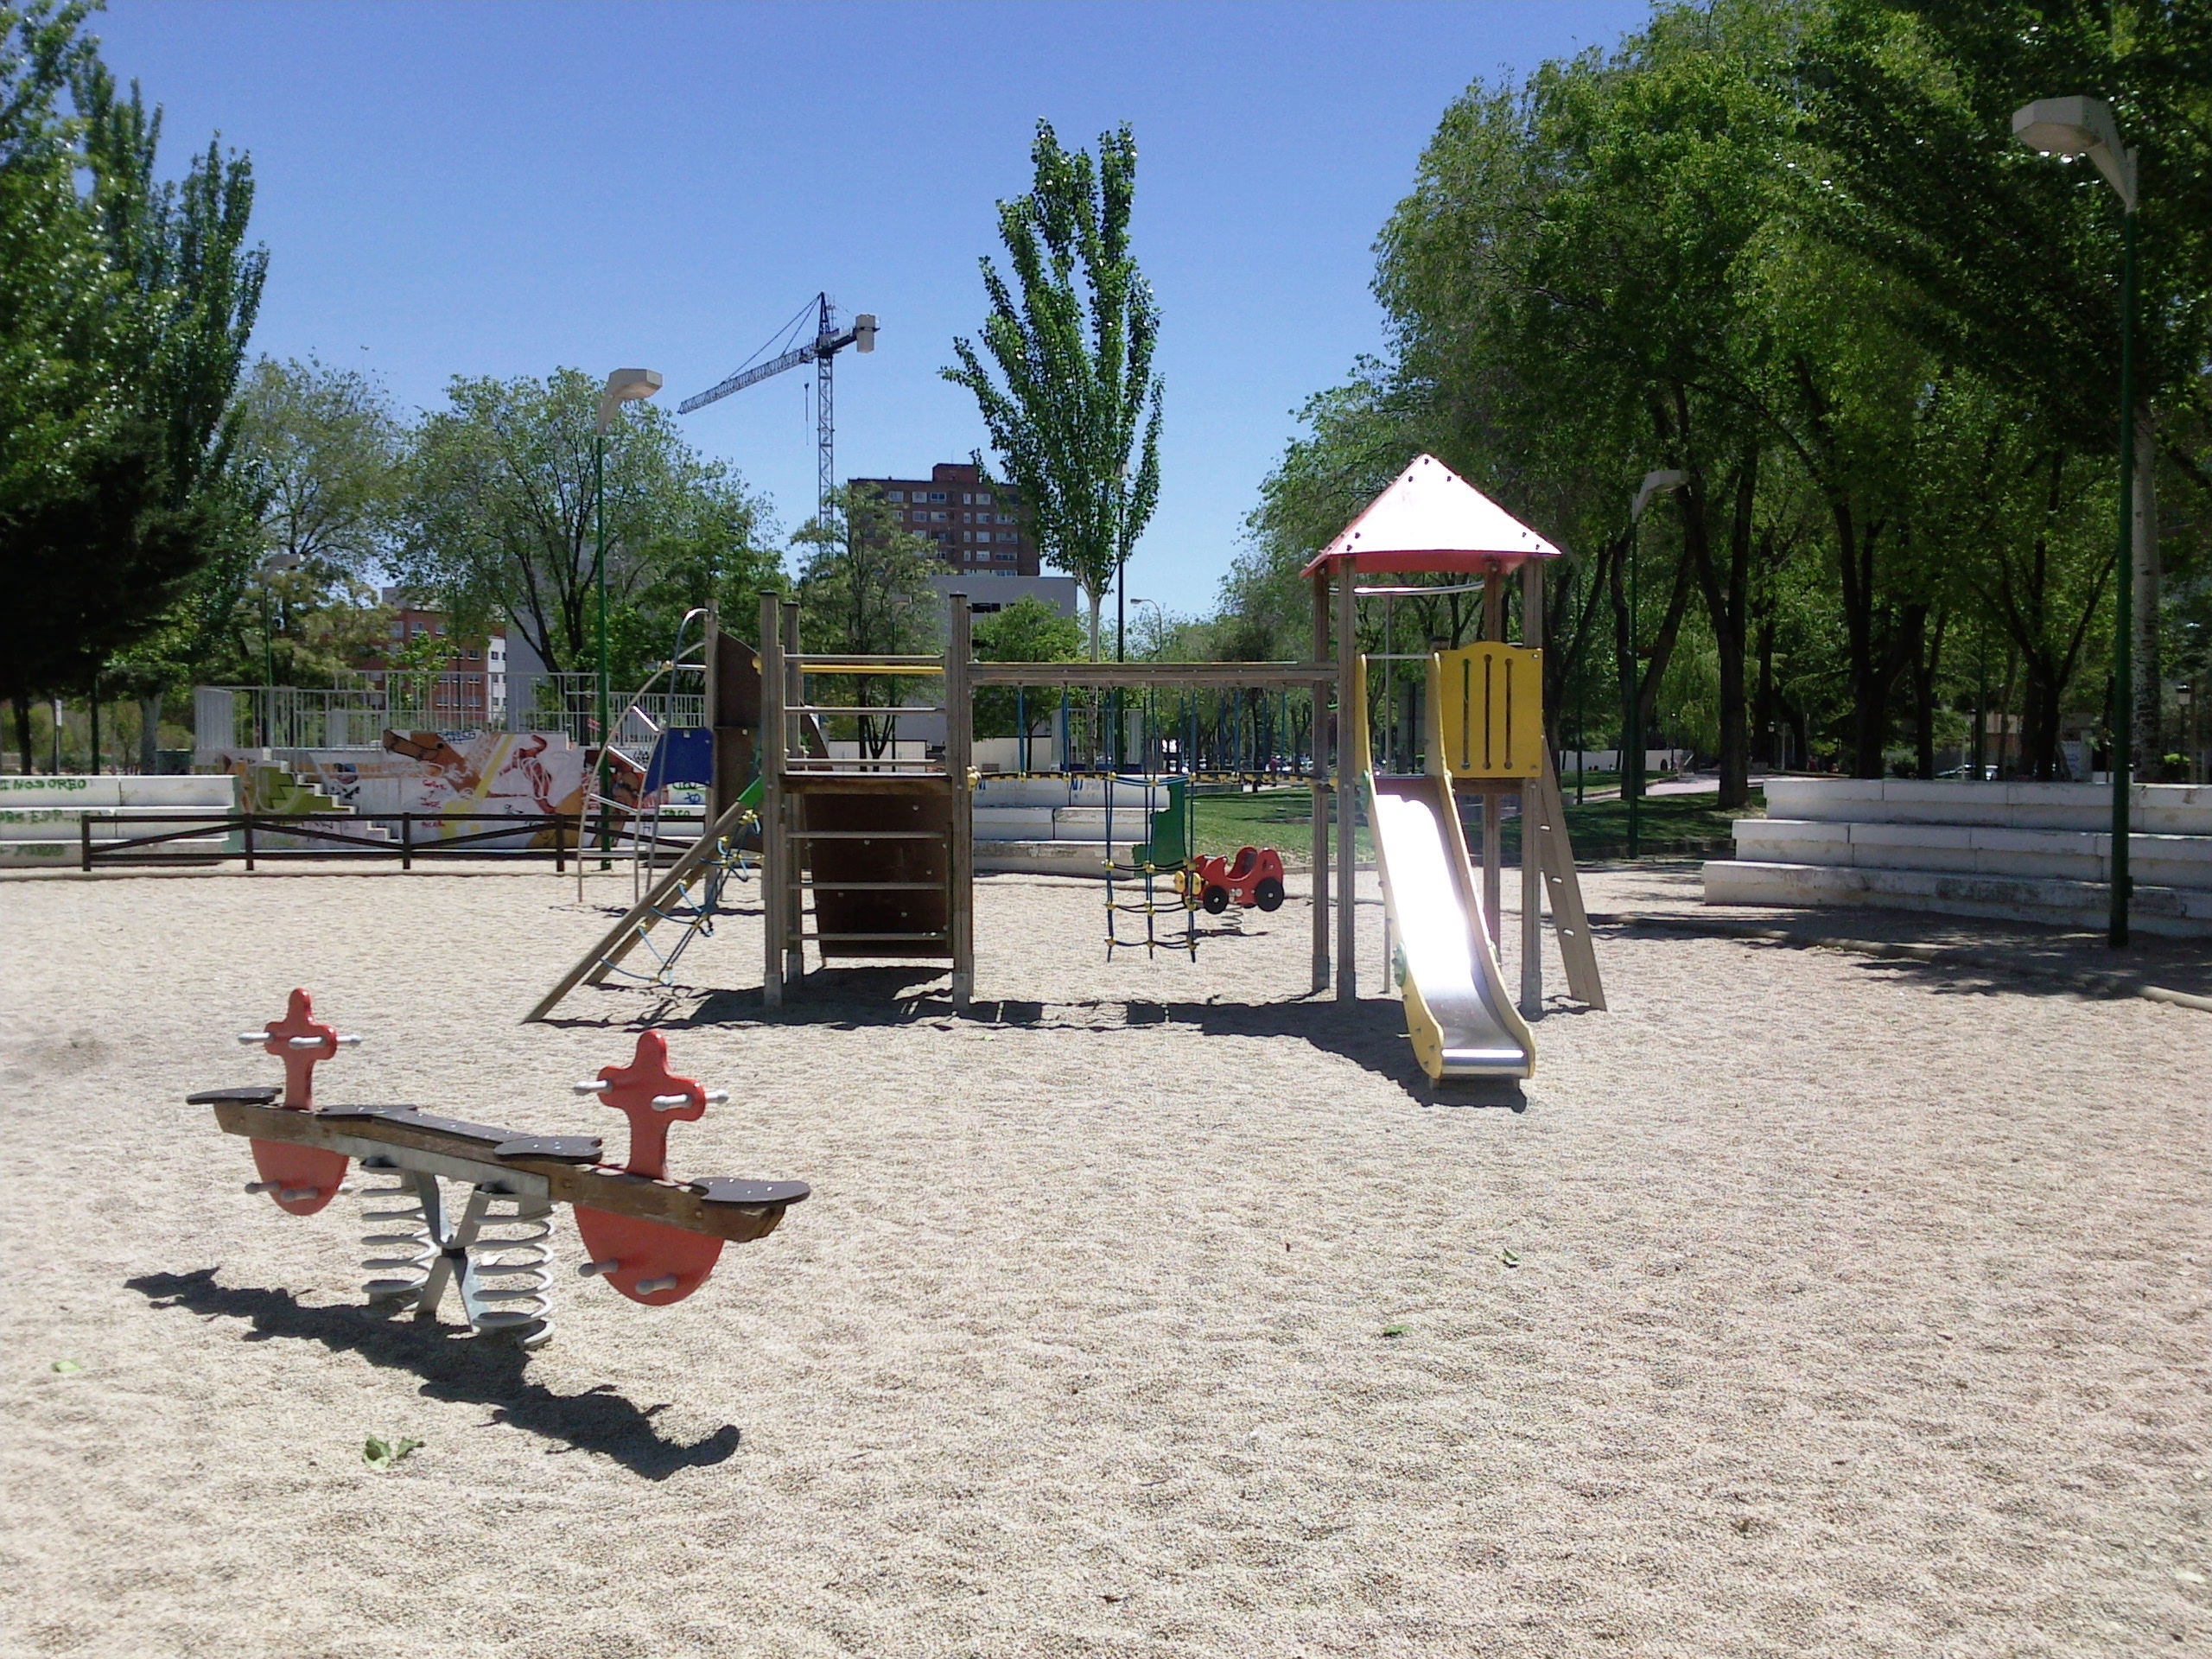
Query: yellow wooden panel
<point x="1489" y="708"/>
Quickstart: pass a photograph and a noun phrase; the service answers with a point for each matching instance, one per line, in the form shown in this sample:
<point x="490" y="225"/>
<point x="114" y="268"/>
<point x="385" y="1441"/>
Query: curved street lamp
<point x="2068" y="128"/>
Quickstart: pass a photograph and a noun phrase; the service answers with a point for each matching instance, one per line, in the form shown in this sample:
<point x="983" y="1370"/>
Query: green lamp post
<point x="2068" y="128"/>
<point x="623" y="386"/>
<point x="272" y="567"/>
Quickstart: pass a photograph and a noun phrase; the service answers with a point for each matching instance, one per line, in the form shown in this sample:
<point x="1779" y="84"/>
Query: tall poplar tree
<point x="1074" y="412"/>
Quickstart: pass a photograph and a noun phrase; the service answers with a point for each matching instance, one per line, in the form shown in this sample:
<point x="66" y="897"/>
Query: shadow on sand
<point x="1948" y="956"/>
<point x="1369" y="1032"/>
<point x="453" y="1366"/>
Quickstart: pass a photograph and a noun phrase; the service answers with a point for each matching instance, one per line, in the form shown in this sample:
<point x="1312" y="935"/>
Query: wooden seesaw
<point x="654" y="1239"/>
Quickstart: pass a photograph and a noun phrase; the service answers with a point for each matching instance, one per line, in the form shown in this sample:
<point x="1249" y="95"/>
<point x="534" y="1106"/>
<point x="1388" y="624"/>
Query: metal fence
<point x="363" y="704"/>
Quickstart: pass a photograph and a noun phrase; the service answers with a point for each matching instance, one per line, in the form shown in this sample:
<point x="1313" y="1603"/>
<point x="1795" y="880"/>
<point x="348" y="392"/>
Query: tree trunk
<point x="1098" y="603"/>
<point x="1870" y="692"/>
<point x="22" y="706"/>
<point x="150" y="734"/>
<point x="1926" y="666"/>
<point x="1765" y="718"/>
<point x="1727" y="593"/>
<point x="2040" y="698"/>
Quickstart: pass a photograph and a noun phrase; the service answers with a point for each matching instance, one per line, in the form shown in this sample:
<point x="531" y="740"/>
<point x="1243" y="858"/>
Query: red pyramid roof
<point x="1432" y="519"/>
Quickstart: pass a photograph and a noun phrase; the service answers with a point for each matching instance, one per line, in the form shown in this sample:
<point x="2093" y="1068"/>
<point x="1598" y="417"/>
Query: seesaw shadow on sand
<point x="1369" y="1032"/>
<point x="453" y="1366"/>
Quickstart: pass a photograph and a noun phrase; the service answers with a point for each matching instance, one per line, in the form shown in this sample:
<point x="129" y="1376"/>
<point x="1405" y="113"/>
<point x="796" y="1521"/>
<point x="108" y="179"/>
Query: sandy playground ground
<point x="1808" y="1305"/>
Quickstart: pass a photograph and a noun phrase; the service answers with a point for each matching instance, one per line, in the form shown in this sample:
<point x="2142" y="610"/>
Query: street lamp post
<point x="274" y="565"/>
<point x="1122" y="655"/>
<point x="2066" y="128"/>
<point x="623" y="386"/>
<point x="1631" y="770"/>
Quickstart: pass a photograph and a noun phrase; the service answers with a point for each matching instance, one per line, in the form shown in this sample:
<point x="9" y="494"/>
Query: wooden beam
<point x="638" y="919"/>
<point x="959" y="755"/>
<point x="1143" y="676"/>
<point x="595" y="1186"/>
<point x="1493" y="805"/>
<point x="1564" y="886"/>
<point x="1348" y="745"/>
<point x="787" y="876"/>
<point x="1532" y="883"/>
<point x="775" y="845"/>
<point x="1321" y="788"/>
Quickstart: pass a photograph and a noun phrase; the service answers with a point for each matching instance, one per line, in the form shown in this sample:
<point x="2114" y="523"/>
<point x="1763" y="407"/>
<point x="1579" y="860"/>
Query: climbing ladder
<point x="885" y="847"/>
<point x="1158" y="869"/>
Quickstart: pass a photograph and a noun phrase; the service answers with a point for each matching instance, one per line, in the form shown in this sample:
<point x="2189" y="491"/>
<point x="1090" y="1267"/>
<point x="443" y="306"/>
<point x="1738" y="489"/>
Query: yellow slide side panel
<point x="1489" y="705"/>
<point x="1422" y="1026"/>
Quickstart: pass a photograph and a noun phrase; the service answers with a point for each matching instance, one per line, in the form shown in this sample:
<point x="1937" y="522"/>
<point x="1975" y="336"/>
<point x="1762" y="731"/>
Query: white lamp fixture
<point x="626" y="386"/>
<point x="2073" y="127"/>
<point x="1672" y="479"/>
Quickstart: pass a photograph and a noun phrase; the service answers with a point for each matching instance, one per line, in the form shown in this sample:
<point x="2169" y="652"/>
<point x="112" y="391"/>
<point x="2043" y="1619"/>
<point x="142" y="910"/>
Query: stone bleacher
<point x="2018" y="852"/>
<point x="41" y="814"/>
<point x="1057" y="826"/>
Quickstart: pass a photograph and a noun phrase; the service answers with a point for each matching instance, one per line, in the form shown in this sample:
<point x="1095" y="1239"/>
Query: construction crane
<point x="822" y="351"/>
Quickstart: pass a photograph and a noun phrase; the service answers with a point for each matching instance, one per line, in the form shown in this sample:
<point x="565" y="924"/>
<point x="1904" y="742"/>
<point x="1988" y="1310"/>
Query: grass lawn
<point x="1280" y="818"/>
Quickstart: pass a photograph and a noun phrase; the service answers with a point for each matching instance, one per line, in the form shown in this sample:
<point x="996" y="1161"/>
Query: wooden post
<point x="1321" y="787"/>
<point x="1347" y="745"/>
<point x="959" y="751"/>
<point x="1493" y="824"/>
<point x="794" y="866"/>
<point x="1532" y="878"/>
<point x="775" y="852"/>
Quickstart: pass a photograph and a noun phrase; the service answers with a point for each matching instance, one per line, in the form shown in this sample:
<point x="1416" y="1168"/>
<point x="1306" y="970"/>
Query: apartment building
<point x="976" y="526"/>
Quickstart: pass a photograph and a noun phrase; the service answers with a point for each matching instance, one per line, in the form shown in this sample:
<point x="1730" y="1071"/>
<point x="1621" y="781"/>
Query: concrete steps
<point x="40" y="815"/>
<point x="2038" y="853"/>
<point x="1050" y="857"/>
<point x="2065" y="855"/>
<point x="1050" y="826"/>
<point x="2154" y="809"/>
<point x="2169" y="911"/>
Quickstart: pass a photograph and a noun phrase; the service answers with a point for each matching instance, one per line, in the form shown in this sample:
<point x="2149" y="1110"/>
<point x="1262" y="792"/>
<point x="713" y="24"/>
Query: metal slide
<point x="1461" y="1018"/>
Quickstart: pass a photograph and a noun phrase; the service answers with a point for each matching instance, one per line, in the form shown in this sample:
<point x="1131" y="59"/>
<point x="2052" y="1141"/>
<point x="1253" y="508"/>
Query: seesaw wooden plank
<point x="693" y="1208"/>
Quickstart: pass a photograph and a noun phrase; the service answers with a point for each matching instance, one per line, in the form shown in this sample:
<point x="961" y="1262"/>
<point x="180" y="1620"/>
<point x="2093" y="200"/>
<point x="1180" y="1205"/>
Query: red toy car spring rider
<point x="1253" y="877"/>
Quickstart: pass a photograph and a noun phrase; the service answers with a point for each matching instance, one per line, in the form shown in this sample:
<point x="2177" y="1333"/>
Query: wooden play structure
<point x="874" y="858"/>
<point x="886" y="847"/>
<point x="654" y="1238"/>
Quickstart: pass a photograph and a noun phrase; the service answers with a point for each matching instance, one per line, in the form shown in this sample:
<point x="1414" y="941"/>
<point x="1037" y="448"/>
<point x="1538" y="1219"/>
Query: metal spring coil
<point x="403" y="1247"/>
<point x="514" y="1247"/>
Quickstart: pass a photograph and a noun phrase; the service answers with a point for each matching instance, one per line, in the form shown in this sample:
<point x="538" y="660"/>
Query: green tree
<point x="329" y="452"/>
<point x="137" y="294"/>
<point x="499" y="527"/>
<point x="49" y="258"/>
<point x="864" y="582"/>
<point x="2013" y="260"/>
<point x="1076" y="399"/>
<point x="1028" y="631"/>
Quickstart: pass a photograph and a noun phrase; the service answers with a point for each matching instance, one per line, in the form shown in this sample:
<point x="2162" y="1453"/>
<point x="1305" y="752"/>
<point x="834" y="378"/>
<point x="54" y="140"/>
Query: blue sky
<point x="500" y="188"/>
